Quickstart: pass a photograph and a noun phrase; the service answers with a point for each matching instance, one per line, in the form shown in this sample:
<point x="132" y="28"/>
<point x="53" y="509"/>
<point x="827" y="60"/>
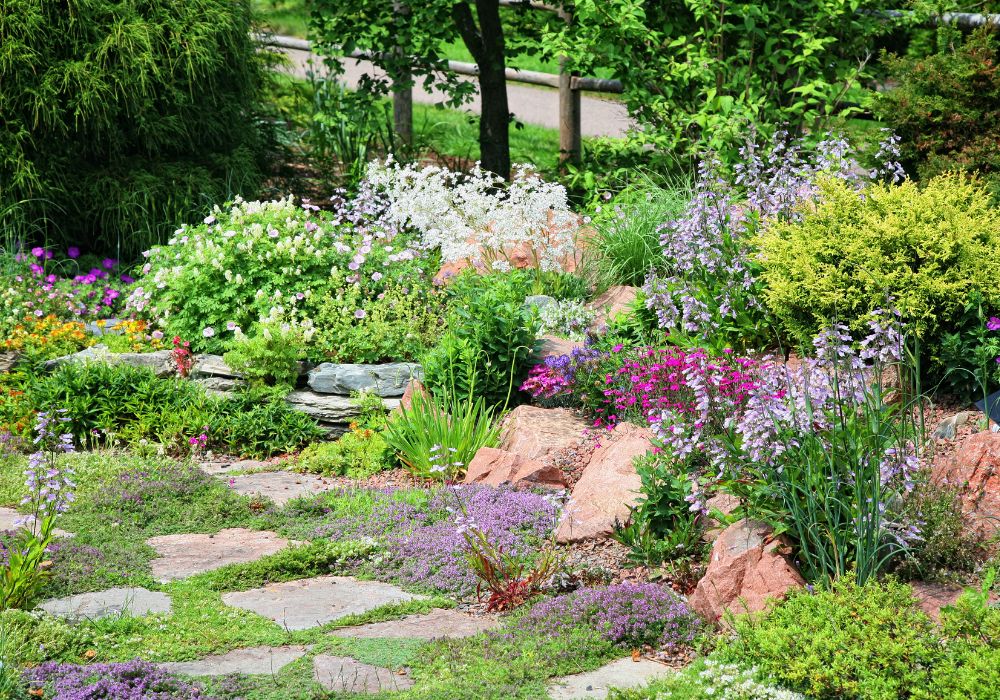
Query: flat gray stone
<point x="434" y="625"/>
<point x="252" y="661"/>
<point x="329" y="408"/>
<point x="8" y="516"/>
<point x="188" y="554"/>
<point x="280" y="487"/>
<point x="160" y="362"/>
<point x="311" y="602"/>
<point x="388" y="379"/>
<point x="113" y="601"/>
<point x="623" y="673"/>
<point x="223" y="467"/>
<point x="347" y="675"/>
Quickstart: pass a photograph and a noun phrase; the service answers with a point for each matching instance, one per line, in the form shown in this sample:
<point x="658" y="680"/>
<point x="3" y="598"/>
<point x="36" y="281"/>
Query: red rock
<point x="495" y="467"/>
<point x="534" y="433"/>
<point x="974" y="468"/>
<point x="724" y="503"/>
<point x="414" y="386"/>
<point x="612" y="303"/>
<point x="553" y="346"/>
<point x="607" y="488"/>
<point x="747" y="569"/>
<point x="931" y="597"/>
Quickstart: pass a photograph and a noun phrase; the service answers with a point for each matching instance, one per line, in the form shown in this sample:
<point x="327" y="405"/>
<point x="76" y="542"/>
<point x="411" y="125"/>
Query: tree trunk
<point x="486" y="44"/>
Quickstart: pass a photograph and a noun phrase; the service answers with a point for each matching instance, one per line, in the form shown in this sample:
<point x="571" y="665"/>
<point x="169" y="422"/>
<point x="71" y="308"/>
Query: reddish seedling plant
<point x="506" y="581"/>
<point x="183" y="358"/>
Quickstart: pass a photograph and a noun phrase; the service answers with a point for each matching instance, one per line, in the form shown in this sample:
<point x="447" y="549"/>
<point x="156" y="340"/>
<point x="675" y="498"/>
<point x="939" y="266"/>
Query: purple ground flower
<point x="132" y="680"/>
<point x="627" y="614"/>
<point x="424" y="544"/>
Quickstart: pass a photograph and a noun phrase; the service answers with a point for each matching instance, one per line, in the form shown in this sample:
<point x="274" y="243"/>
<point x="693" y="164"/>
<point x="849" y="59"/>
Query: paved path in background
<point x="531" y="105"/>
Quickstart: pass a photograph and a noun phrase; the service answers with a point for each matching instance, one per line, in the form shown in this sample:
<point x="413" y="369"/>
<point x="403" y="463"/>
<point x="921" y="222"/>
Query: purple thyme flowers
<point x="132" y="680"/>
<point x="628" y="614"/>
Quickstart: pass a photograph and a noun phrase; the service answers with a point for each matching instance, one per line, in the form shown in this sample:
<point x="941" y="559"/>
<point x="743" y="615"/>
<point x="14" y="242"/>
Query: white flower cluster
<point x="725" y="682"/>
<point x="478" y="217"/>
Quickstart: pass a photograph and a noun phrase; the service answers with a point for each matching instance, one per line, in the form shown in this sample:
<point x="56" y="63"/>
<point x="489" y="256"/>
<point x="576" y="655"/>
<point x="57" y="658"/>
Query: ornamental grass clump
<point x="626" y="614"/>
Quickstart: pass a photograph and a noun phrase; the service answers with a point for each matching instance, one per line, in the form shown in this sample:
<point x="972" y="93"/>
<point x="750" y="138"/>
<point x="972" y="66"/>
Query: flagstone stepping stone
<point x="280" y="486"/>
<point x="623" y="673"/>
<point x="251" y="661"/>
<point x="434" y="625"/>
<point x="299" y="605"/>
<point x="344" y="674"/>
<point x="188" y="554"/>
<point x="9" y="516"/>
<point x="113" y="601"/>
<point x="223" y="467"/>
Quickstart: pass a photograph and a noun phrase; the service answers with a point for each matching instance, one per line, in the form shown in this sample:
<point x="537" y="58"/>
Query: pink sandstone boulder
<point x="414" y="386"/>
<point x="534" y="433"/>
<point x="747" y="569"/>
<point x="495" y="467"/>
<point x="975" y="469"/>
<point x="607" y="488"/>
<point x="724" y="503"/>
<point x="610" y="304"/>
<point x="553" y="346"/>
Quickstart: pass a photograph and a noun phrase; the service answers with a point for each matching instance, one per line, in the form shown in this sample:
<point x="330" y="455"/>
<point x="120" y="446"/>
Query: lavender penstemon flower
<point x="50" y="491"/>
<point x="824" y="448"/>
<point x="710" y="288"/>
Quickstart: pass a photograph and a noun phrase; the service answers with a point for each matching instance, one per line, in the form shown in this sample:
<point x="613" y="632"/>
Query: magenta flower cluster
<point x="131" y="680"/>
<point x="627" y="614"/>
<point x="40" y="291"/>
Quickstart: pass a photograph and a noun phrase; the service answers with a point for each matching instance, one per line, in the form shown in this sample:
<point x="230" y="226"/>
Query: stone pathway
<point x="225" y="467"/>
<point x="299" y="605"/>
<point x="434" y="625"/>
<point x="185" y="555"/>
<point x="251" y="661"/>
<point x="8" y="516"/>
<point x="114" y="601"/>
<point x="280" y="486"/>
<point x="344" y="674"/>
<point x="623" y="673"/>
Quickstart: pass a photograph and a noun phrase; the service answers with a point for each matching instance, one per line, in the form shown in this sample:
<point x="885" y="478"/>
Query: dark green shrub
<point x="121" y="119"/>
<point x="106" y="402"/>
<point x="944" y="106"/>
<point x="487" y="348"/>
<point x="946" y="545"/>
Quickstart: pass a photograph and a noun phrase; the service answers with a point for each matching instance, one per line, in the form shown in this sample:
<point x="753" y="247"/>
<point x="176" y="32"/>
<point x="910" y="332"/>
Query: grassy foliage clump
<point x="123" y="118"/>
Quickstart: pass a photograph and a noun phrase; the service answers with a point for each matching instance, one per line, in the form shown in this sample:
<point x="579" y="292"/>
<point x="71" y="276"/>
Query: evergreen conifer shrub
<point x="119" y="118"/>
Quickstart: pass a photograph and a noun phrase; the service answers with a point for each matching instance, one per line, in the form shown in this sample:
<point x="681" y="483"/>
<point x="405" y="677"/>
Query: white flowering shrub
<point x="271" y="262"/>
<point x="566" y="318"/>
<point x="478" y="216"/>
<point x="709" y="679"/>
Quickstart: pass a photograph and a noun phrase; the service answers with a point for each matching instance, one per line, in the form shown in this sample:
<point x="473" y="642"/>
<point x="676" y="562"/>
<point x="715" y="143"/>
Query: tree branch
<point x="466" y="23"/>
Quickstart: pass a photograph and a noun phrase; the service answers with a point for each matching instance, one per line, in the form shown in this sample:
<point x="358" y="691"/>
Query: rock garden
<point x="444" y="437"/>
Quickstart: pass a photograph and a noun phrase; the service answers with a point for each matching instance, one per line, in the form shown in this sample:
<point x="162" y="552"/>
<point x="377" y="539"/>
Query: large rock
<point x="534" y="433"/>
<point x="329" y="408"/>
<point x="608" y="487"/>
<point x="311" y="602"/>
<point x="8" y="360"/>
<point x="747" y="569"/>
<point x="184" y="555"/>
<point x="595" y="685"/>
<point x="974" y="468"/>
<point x="554" y="346"/>
<point x="495" y="467"/>
<point x="113" y="601"/>
<point x="437" y="624"/>
<point x="343" y="379"/>
<point x="249" y="661"/>
<point x="160" y="362"/>
<point x="346" y="675"/>
<point x="279" y="486"/>
<point x="611" y="304"/>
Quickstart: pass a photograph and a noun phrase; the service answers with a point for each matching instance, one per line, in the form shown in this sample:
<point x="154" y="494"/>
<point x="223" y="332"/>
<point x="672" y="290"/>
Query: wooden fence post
<point x="569" y="109"/>
<point x="402" y="92"/>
